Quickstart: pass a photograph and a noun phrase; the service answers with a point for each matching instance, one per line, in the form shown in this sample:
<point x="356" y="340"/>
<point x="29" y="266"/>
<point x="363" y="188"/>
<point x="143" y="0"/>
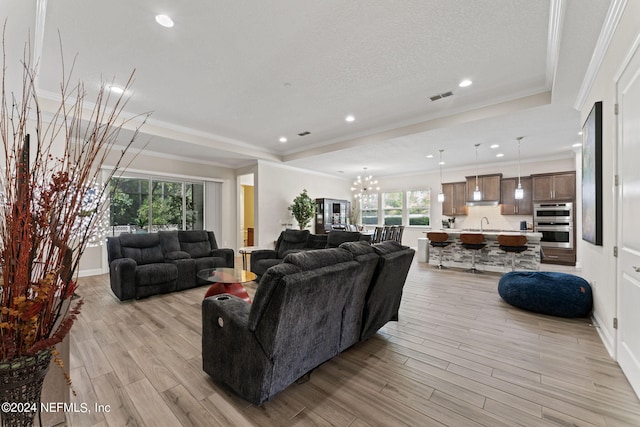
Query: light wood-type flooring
<point x="458" y="356"/>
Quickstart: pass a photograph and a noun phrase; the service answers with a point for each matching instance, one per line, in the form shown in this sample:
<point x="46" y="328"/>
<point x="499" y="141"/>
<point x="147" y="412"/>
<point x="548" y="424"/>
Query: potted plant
<point x="52" y="192"/>
<point x="303" y="209"/>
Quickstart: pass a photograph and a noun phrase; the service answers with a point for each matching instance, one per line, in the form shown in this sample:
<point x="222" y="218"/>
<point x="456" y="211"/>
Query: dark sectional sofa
<point x="141" y="265"/>
<point x="291" y="241"/>
<point x="307" y="309"/>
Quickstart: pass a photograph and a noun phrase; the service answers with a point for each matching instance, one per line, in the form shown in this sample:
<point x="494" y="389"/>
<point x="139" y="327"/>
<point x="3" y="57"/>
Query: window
<point x="392" y="208"/>
<point x="418" y="203"/>
<point x="369" y="208"/>
<point x="154" y="204"/>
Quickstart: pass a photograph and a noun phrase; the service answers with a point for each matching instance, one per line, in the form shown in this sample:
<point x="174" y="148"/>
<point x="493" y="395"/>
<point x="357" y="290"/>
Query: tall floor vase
<point x="20" y="388"/>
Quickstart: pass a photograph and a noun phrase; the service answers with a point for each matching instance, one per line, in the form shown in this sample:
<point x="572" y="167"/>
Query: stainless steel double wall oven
<point x="555" y="222"/>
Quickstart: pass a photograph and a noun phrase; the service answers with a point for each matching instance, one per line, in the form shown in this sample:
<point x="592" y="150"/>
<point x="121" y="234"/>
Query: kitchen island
<point x="491" y="257"/>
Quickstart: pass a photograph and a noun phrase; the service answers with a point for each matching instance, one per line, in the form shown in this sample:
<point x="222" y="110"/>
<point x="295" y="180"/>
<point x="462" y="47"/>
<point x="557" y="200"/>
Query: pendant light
<point x="519" y="190"/>
<point x="441" y="193"/>
<point x="477" y="195"/>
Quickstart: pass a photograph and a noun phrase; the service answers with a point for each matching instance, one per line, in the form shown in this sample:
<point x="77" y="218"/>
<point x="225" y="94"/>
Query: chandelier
<point x="365" y="187"/>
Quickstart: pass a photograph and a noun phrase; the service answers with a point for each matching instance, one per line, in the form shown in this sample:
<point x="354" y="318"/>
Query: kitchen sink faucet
<point x="483" y="218"/>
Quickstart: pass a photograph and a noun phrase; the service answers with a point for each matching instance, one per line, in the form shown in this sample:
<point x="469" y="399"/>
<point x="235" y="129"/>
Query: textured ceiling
<point x="232" y="77"/>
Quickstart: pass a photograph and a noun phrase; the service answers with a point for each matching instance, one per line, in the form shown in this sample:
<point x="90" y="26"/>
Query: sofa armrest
<point x="175" y="255"/>
<point x="225" y="253"/>
<point x="230" y="352"/>
<point x="261" y="254"/>
<point x="122" y="277"/>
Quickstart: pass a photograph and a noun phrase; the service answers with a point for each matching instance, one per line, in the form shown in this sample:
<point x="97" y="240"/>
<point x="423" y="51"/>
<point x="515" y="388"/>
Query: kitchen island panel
<point x="491" y="257"/>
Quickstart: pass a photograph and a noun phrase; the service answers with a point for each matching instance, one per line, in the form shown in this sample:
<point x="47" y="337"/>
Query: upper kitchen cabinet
<point x="454" y="198"/>
<point x="509" y="205"/>
<point x="554" y="186"/>
<point x="489" y="186"/>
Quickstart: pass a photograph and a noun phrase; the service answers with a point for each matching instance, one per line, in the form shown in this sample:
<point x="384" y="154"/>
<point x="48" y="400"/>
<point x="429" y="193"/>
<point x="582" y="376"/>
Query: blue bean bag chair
<point x="555" y="294"/>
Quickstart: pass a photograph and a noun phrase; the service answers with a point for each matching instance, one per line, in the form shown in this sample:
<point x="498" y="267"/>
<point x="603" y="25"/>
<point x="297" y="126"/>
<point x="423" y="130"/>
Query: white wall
<point x="275" y="188"/>
<point x="599" y="264"/>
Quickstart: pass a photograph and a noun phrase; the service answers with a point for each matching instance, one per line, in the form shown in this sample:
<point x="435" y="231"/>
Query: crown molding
<point x="614" y="14"/>
<point x="556" y="18"/>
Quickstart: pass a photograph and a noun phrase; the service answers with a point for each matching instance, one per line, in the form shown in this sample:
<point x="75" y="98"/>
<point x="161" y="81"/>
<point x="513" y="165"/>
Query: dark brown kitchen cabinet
<point x="455" y="194"/>
<point x="489" y="186"/>
<point x="554" y="186"/>
<point x="558" y="256"/>
<point x="508" y="203"/>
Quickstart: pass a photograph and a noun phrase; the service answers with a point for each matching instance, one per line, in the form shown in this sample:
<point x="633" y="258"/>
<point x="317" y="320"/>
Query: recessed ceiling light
<point x="465" y="83"/>
<point x="580" y="133"/>
<point x="116" y="89"/>
<point x="577" y="144"/>
<point x="164" y="20"/>
<point x="349" y="118"/>
<point x="283" y="139"/>
<point x="499" y="155"/>
<point x="429" y="156"/>
<point x="441" y="163"/>
<point x="494" y="146"/>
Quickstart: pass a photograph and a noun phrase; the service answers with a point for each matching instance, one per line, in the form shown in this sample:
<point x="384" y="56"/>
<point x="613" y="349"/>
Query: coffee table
<point x="227" y="281"/>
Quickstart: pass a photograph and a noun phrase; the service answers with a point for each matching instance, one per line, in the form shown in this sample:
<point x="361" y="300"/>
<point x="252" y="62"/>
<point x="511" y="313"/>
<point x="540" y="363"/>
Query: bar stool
<point x="513" y="245"/>
<point x="439" y="240"/>
<point x="473" y="242"/>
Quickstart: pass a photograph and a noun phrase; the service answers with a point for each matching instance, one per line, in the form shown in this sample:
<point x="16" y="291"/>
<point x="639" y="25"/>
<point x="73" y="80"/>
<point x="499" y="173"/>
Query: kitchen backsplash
<point x="496" y="221"/>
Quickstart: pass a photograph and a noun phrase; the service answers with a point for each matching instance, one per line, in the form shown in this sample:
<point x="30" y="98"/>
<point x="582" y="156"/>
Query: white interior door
<point x="628" y="337"/>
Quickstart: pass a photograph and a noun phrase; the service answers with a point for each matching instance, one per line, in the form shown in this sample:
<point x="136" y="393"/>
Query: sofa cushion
<point x="195" y="243"/>
<point x="388" y="247"/>
<point x="292" y="239"/>
<point x="316" y="258"/>
<point x="142" y="248"/>
<point x="153" y="274"/>
<point x="336" y="238"/>
<point x="361" y="247"/>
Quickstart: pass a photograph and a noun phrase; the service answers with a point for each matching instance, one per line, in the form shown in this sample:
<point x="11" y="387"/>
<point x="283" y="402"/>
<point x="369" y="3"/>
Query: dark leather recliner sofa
<point x="141" y="265"/>
<point x="306" y="310"/>
<point x="291" y="241"/>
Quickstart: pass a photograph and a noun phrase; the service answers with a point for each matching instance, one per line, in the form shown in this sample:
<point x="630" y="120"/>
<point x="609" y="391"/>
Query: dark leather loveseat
<point x="141" y="265"/>
<point x="306" y="310"/>
<point x="291" y="241"/>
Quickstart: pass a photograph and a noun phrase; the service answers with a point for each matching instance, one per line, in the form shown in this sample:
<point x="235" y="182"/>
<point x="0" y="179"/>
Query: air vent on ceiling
<point x="305" y="133"/>
<point x="441" y="95"/>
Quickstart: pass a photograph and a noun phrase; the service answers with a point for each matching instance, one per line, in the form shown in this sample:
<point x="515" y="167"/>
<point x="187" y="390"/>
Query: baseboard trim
<point x="91" y="272"/>
<point x="607" y="339"/>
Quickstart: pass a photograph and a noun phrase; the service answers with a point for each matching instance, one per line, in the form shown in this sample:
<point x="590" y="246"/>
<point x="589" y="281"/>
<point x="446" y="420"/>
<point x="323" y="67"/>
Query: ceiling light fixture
<point x="164" y="20"/>
<point x="494" y="146"/>
<point x="364" y="187"/>
<point x="349" y="118"/>
<point x="465" y="83"/>
<point x="116" y="89"/>
<point x="500" y="155"/>
<point x="477" y="194"/>
<point x="429" y="156"/>
<point x="577" y="144"/>
<point x="283" y="139"/>
<point x="441" y="193"/>
<point x="519" y="190"/>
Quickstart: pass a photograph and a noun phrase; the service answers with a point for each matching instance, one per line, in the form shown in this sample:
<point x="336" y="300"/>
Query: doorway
<point x="247" y="210"/>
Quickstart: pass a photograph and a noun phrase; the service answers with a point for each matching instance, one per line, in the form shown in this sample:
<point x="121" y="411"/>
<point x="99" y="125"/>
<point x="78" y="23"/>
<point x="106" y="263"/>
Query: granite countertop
<point x="492" y="232"/>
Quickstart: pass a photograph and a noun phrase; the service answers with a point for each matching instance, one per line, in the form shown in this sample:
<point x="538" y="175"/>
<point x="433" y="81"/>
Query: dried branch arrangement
<point x="52" y="195"/>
